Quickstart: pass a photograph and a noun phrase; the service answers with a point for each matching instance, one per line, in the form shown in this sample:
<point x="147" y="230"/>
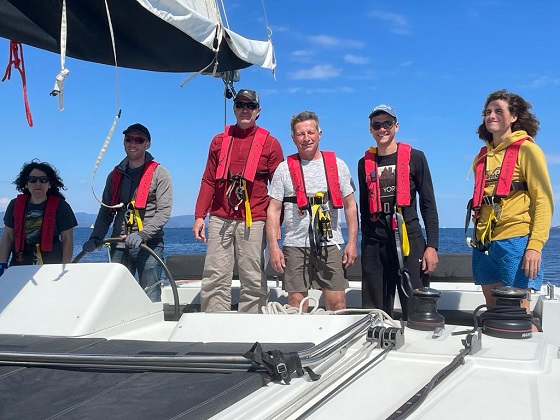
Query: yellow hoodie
<point x="523" y="212"/>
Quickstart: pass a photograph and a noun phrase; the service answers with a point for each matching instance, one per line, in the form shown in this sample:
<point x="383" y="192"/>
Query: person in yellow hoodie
<point x="512" y="201"/>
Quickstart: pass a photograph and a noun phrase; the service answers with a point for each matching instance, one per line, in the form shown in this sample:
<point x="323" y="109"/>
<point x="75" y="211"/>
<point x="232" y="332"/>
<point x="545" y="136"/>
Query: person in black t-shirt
<point x="39" y="222"/>
<point x="394" y="253"/>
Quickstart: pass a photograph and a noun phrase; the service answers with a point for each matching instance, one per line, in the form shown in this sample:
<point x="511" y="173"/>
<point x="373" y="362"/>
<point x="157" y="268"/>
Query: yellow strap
<point x="404" y="236"/>
<point x="488" y="228"/>
<point x="39" y="255"/>
<point x="137" y="216"/>
<point x="316" y="207"/>
<point x="248" y="216"/>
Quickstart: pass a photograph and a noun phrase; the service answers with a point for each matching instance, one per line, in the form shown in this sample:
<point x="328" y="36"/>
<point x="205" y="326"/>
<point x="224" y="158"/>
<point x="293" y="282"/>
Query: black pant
<point x="380" y="273"/>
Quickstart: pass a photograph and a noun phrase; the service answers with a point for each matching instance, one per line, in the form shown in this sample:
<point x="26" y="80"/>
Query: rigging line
<point x="224" y="13"/>
<point x="58" y="88"/>
<point x="269" y="31"/>
<point x="114" y="124"/>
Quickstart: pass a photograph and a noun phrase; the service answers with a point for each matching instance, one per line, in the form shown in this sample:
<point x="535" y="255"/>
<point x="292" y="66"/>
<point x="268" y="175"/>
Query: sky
<point x="435" y="62"/>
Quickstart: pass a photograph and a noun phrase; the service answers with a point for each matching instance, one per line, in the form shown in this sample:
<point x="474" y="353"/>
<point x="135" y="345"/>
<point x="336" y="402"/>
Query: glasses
<point x="134" y="139"/>
<point x="250" y="105"/>
<point x="34" y="179"/>
<point x="385" y="124"/>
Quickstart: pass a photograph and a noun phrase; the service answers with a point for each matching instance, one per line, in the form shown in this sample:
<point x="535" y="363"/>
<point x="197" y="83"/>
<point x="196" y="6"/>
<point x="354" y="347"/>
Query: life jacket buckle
<point x="235" y="189"/>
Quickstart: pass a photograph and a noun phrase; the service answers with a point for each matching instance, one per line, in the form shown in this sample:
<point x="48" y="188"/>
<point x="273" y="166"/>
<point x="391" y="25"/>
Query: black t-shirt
<point x="420" y="186"/>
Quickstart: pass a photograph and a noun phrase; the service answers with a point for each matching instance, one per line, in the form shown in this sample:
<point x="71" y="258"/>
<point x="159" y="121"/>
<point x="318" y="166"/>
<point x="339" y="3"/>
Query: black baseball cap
<point x="140" y="128"/>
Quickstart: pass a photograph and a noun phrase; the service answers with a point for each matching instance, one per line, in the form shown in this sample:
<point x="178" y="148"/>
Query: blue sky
<point x="435" y="62"/>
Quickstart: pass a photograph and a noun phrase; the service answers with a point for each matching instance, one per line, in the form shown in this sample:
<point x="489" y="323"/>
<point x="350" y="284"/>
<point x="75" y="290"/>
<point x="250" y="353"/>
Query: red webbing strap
<point x="333" y="182"/>
<point x="503" y="186"/>
<point x="370" y="167"/>
<point x="223" y="160"/>
<point x="479" y="178"/>
<point x="16" y="49"/>
<point x="403" y="174"/>
<point x="19" y="222"/>
<point x="297" y="179"/>
<point x="255" y="152"/>
<point x="49" y="221"/>
<point x="144" y="186"/>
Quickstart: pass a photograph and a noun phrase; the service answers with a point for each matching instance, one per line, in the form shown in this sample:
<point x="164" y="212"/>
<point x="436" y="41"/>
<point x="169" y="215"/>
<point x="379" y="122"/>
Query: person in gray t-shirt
<point x="312" y="254"/>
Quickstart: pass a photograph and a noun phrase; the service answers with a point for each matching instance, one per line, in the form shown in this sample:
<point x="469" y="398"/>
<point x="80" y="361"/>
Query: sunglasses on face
<point x="250" y="105"/>
<point x="134" y="139"/>
<point x="34" y="179"/>
<point x="385" y="124"/>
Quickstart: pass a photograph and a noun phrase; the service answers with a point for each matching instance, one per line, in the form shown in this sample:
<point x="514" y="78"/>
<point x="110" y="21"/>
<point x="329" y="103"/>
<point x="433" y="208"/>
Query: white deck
<point x="515" y="379"/>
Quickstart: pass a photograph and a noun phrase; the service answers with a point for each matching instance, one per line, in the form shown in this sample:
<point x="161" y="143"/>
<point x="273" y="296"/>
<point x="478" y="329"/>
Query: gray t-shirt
<point x="297" y="223"/>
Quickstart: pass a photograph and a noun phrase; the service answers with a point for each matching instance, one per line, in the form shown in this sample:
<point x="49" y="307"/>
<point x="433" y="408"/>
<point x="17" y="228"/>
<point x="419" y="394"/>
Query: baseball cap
<point x="383" y="108"/>
<point x="249" y="94"/>
<point x="140" y="128"/>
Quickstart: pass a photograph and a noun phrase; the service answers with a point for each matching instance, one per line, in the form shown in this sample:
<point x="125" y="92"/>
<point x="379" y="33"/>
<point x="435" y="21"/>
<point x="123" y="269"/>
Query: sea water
<point x="451" y="240"/>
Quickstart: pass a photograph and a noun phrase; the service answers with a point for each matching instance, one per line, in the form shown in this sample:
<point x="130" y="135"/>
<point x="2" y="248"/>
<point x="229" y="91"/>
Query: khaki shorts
<point x="304" y="270"/>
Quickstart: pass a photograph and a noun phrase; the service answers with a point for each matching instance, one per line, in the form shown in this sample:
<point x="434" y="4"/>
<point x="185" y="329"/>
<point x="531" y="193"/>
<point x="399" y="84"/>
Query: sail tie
<point x="16" y="51"/>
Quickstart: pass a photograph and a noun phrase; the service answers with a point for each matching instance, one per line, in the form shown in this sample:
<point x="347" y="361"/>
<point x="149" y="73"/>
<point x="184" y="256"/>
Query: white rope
<point x="113" y="126"/>
<point x="273" y="308"/>
<point x="58" y="89"/>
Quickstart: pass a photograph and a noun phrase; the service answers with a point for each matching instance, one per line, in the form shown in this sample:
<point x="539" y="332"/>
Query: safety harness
<point x="504" y="186"/>
<point x="47" y="227"/>
<point x="394" y="217"/>
<point x="238" y="186"/>
<point x="132" y="215"/>
<point x="320" y="229"/>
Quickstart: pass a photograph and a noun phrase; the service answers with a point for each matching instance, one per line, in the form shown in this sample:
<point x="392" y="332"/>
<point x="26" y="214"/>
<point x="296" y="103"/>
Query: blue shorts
<point x="504" y="264"/>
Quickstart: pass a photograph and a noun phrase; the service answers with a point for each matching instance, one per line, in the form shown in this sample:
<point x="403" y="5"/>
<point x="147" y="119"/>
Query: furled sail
<point x="157" y="35"/>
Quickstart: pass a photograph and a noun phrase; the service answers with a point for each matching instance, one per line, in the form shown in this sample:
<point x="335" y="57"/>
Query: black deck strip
<point x="48" y="393"/>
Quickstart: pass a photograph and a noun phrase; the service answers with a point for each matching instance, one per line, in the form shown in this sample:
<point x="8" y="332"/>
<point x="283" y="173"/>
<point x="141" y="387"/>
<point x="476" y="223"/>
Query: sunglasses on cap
<point x="385" y="124"/>
<point x="134" y="139"/>
<point x="34" y="179"/>
<point x="250" y="105"/>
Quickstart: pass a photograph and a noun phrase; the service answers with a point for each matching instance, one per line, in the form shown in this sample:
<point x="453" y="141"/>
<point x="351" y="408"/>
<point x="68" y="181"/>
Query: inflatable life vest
<point x="503" y="187"/>
<point x="143" y="187"/>
<point x="504" y="184"/>
<point x="402" y="178"/>
<point x="333" y="182"/>
<point x="250" y="169"/>
<point x="47" y="228"/>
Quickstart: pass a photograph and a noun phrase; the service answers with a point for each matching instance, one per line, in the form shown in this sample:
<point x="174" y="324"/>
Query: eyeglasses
<point x="385" y="124"/>
<point x="250" y="105"/>
<point x="34" y="179"/>
<point x="135" y="139"/>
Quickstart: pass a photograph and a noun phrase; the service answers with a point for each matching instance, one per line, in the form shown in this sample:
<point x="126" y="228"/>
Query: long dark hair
<point x="52" y="174"/>
<point x="518" y="107"/>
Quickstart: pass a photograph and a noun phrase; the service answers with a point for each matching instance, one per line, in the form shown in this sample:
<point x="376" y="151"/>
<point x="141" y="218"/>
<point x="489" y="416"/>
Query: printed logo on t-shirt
<point x="387" y="186"/>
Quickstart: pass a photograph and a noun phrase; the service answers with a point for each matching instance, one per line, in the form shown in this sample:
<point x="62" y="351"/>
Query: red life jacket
<point x="143" y="187"/>
<point x="504" y="184"/>
<point x="47" y="228"/>
<point x="250" y="169"/>
<point x="333" y="183"/>
<point x="402" y="178"/>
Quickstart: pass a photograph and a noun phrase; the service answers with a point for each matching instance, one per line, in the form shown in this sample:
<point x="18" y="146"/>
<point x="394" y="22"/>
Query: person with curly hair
<point x="512" y="201"/>
<point x="38" y="223"/>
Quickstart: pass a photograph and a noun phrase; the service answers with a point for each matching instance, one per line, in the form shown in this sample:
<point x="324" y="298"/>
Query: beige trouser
<point x="229" y="240"/>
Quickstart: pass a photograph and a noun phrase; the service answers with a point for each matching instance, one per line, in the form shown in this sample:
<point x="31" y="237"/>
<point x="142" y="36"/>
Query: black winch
<point x="423" y="314"/>
<point x="507" y="319"/>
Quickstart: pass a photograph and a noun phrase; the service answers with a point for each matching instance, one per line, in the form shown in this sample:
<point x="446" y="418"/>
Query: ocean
<point x="452" y="240"/>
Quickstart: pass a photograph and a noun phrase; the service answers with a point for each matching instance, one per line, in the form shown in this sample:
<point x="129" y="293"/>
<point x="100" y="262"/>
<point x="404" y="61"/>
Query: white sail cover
<point x="158" y="35"/>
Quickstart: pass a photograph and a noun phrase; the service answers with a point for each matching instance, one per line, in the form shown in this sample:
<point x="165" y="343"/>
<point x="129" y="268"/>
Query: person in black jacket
<point x="395" y="254"/>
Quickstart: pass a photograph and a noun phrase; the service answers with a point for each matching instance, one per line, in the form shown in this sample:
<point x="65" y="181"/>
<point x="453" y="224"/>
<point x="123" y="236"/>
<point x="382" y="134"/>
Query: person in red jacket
<point x="241" y="161"/>
<point x="38" y="223"/>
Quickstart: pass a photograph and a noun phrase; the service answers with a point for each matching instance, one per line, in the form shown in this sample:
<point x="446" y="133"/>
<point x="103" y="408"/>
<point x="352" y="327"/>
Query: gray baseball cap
<point x="383" y="108"/>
